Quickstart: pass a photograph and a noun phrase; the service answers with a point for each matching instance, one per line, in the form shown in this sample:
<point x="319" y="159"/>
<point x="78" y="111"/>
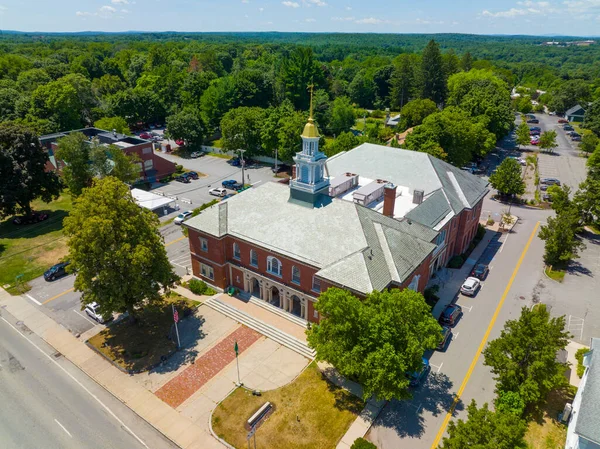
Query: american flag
<point x="176" y="315"/>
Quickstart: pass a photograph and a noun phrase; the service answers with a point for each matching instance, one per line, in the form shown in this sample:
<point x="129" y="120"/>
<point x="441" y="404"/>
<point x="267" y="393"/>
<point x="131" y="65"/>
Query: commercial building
<point x="152" y="166"/>
<point x="368" y="219"/>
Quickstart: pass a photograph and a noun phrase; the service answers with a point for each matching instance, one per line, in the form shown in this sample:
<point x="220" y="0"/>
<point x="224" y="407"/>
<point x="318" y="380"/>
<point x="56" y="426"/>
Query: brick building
<point x="152" y="166"/>
<point x="368" y="219"/>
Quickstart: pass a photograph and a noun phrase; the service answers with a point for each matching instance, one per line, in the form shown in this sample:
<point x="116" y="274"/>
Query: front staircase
<point x="260" y="326"/>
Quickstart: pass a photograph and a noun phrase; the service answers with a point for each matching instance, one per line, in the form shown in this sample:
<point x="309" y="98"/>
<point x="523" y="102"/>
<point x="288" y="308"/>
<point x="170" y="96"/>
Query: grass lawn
<point x="139" y="346"/>
<point x="544" y="431"/>
<point x="310" y="413"/>
<point x="29" y="250"/>
<point x="557" y="275"/>
<point x="222" y="156"/>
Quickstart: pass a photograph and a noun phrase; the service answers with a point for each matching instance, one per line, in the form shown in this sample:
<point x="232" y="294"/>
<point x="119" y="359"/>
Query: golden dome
<point x="310" y="129"/>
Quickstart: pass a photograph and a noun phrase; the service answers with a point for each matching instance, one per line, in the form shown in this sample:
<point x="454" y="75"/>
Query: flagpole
<point x="237" y="362"/>
<point x="176" y="328"/>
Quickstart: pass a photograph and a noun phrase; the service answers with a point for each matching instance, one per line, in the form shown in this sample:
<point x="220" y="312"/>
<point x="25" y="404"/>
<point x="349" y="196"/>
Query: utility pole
<point x="275" y="160"/>
<point x="242" y="162"/>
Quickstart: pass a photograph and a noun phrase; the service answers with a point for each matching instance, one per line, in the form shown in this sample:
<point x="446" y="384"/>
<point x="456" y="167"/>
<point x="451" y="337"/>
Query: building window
<point x="149" y="164"/>
<point x="253" y="258"/>
<point x="315" y="314"/>
<point x="473" y="216"/>
<point x="236" y="251"/>
<point x="414" y="284"/>
<point x="316" y="285"/>
<point x="441" y="238"/>
<point x="203" y="244"/>
<point x="147" y="150"/>
<point x="207" y="271"/>
<point x="273" y="265"/>
<point x="296" y="275"/>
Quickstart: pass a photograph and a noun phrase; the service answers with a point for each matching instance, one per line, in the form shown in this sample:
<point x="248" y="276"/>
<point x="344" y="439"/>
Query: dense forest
<point x="250" y="90"/>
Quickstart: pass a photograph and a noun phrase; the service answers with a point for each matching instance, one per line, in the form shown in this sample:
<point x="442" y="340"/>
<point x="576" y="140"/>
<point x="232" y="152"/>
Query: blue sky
<point x="566" y="17"/>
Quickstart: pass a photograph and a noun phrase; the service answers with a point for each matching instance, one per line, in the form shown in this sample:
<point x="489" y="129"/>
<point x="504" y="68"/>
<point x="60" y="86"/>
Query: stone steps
<point x="260" y="326"/>
<point x="276" y="310"/>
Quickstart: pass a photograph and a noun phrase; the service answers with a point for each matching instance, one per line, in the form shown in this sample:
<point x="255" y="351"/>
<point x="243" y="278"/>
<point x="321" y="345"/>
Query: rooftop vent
<point x="418" y="196"/>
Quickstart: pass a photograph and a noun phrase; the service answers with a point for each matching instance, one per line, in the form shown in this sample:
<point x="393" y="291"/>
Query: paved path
<point x="180" y="388"/>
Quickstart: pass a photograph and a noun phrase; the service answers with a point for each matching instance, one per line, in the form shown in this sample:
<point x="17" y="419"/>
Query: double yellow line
<point x="440" y="433"/>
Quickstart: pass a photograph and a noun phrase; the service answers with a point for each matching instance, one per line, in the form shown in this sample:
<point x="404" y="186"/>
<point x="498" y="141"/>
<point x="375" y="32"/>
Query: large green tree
<point x="560" y="237"/>
<point x="432" y="75"/>
<point x="548" y="141"/>
<point x="116" y="249"/>
<point x="589" y="142"/>
<point x="481" y="93"/>
<point x="119" y="124"/>
<point x="241" y="129"/>
<point x="523" y="358"/>
<point x="74" y="150"/>
<point x="188" y="126"/>
<point x="593" y="164"/>
<point x="415" y="111"/>
<point x="591" y="119"/>
<point x="508" y="179"/>
<point x="587" y="200"/>
<point x="342" y="115"/>
<point x="376" y="340"/>
<point x="403" y="80"/>
<point x="343" y="142"/>
<point x="23" y="175"/>
<point x="485" y="429"/>
<point x="523" y="136"/>
<point x="568" y="94"/>
<point x="298" y="71"/>
<point x="113" y="161"/>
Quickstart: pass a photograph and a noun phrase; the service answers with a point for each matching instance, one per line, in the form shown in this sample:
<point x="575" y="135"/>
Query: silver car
<point x="92" y="310"/>
<point x="471" y="286"/>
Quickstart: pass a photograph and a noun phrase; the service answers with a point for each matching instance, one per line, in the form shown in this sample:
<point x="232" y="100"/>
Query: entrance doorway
<point x="255" y="287"/>
<point x="296" y="306"/>
<point x="275" y="300"/>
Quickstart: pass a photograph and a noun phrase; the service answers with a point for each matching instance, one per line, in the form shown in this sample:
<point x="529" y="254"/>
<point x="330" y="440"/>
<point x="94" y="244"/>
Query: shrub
<point x="179" y="169"/>
<point x="199" y="287"/>
<point x="579" y="356"/>
<point x="490" y="221"/>
<point x="430" y="295"/>
<point x="510" y="402"/>
<point x="456" y="261"/>
<point x="480" y="232"/>
<point x="361" y="443"/>
<point x="377" y="114"/>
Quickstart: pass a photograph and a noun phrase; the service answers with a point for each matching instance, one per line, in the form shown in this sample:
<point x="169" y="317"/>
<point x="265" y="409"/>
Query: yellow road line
<point x="440" y="433"/>
<point x="58" y="296"/>
<point x="176" y="240"/>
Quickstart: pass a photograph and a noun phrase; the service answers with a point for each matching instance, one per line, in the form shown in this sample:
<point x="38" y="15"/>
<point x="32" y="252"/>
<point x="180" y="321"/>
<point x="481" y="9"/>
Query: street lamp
<point x="242" y="162"/>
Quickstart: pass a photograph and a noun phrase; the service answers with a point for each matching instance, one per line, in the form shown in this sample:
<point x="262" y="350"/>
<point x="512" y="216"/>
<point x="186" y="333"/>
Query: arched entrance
<point x="275" y="299"/>
<point x="255" y="287"/>
<point x="296" y="306"/>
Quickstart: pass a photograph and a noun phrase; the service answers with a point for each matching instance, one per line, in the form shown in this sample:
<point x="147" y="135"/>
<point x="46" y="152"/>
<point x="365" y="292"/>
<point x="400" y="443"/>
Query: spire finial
<point x="310" y="115"/>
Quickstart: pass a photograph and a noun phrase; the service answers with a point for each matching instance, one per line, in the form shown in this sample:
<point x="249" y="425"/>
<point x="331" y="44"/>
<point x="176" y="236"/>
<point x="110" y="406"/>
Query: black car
<point x="533" y="120"/>
<point x="446" y="333"/>
<point x="183" y="179"/>
<point x="191" y="174"/>
<point x="480" y="271"/>
<point x="576" y="138"/>
<point x="451" y="315"/>
<point x="234" y="161"/>
<point x="237" y="186"/>
<point x="56" y="271"/>
<point x="36" y="217"/>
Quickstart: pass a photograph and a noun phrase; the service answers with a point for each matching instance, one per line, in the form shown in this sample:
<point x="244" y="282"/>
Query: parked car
<point x="534" y="132"/>
<point x="226" y="197"/>
<point x="192" y="174"/>
<point x="576" y="137"/>
<point x="520" y="160"/>
<point x="237" y="186"/>
<point x="547" y="197"/>
<point x="228" y="183"/>
<point x="183" y="179"/>
<point x="471" y="286"/>
<point x="180" y="142"/>
<point x="195" y="154"/>
<point x="450" y="315"/>
<point x="92" y="310"/>
<point x="146" y="136"/>
<point x="417" y="377"/>
<point x="534" y="140"/>
<point x="535" y="128"/>
<point x="533" y="120"/>
<point x="480" y="271"/>
<point x="529" y="115"/>
<point x="56" y="271"/>
<point x="182" y="217"/>
<point x="446" y="334"/>
<point x="35" y="217"/>
<point x="217" y="191"/>
<point x="234" y="161"/>
<point x="550" y="181"/>
<point x="563" y="120"/>
<point x="568" y="128"/>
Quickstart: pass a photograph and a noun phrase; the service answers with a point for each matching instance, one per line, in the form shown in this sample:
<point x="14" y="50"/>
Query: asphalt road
<point x="48" y="403"/>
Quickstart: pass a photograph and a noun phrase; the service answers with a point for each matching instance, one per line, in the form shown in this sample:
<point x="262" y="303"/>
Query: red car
<point x="563" y="120"/>
<point x="146" y="136"/>
<point x="180" y="142"/>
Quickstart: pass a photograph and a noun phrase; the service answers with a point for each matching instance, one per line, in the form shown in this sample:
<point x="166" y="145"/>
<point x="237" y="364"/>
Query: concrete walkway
<point x="175" y="426"/>
<point x="571" y="349"/>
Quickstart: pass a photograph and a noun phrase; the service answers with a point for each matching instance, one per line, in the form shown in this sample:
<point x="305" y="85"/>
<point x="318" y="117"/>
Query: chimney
<point x="418" y="196"/>
<point x="389" y="199"/>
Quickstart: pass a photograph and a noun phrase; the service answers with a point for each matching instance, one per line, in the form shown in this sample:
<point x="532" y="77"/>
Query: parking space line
<point x="439" y="368"/>
<point x="33" y="299"/>
<point x="59" y="295"/>
<point x="455" y="336"/>
<point x="469" y="308"/>
<point x="83" y="316"/>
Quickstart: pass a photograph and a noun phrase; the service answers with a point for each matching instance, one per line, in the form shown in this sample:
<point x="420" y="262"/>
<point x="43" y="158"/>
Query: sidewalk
<point x="453" y="279"/>
<point x="175" y="426"/>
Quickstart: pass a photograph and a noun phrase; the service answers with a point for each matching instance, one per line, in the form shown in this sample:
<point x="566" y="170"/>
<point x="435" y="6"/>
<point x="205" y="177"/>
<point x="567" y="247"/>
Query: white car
<point x="195" y="154"/>
<point x="470" y="286"/>
<point x="182" y="217"/>
<point x="92" y="310"/>
<point x="218" y="191"/>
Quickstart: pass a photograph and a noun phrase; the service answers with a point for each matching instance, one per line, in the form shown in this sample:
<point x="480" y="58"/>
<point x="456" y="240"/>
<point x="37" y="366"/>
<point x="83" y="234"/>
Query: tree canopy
<point x="116" y="249"/>
<point x="414" y="112"/>
<point x="508" y="179"/>
<point x="376" y="340"/>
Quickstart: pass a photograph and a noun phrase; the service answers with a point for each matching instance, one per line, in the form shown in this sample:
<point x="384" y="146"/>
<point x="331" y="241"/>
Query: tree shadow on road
<point x="576" y="268"/>
<point x="407" y="418"/>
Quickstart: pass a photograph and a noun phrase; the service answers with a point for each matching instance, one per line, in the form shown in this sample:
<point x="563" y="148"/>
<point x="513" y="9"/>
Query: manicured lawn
<point x="310" y="413"/>
<point x="544" y="430"/>
<point x="555" y="274"/>
<point x="29" y="250"/>
<point x="141" y="345"/>
<point x="222" y="156"/>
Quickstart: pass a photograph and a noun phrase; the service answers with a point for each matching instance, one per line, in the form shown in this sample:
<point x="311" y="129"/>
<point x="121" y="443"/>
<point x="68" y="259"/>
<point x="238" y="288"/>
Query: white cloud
<point x="245" y="1"/>
<point x="106" y="9"/>
<point x="370" y="21"/>
<point x="291" y="4"/>
<point x="429" y="22"/>
<point x="512" y="12"/>
<point x="261" y="9"/>
<point x="314" y="2"/>
<point x="348" y="8"/>
<point x="343" y="19"/>
<point x="119" y="2"/>
<point x="104" y="12"/>
<point x="310" y="19"/>
<point x="125" y="11"/>
<point x="83" y="14"/>
<point x="3" y="8"/>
